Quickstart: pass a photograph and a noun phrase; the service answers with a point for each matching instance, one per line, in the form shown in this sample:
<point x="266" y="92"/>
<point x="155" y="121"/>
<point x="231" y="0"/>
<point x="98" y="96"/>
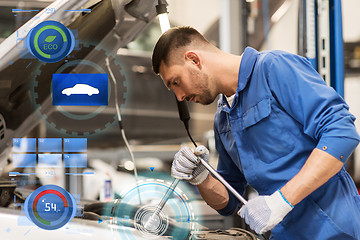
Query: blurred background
<point x="125" y="32"/>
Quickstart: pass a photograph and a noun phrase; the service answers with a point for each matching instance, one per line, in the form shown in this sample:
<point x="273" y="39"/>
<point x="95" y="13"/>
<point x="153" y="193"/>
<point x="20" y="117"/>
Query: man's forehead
<point x="162" y="66"/>
<point x="164" y="73"/>
<point x="164" y="70"/>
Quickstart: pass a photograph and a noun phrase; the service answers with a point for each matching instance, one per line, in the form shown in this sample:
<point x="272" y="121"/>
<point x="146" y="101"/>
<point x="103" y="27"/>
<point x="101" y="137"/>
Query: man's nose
<point x="180" y="95"/>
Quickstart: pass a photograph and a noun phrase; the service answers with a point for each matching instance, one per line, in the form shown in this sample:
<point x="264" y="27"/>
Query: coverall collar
<point x="246" y="67"/>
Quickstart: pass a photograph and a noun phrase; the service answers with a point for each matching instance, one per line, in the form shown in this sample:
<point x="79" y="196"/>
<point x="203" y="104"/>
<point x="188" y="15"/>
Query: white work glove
<point x="263" y="213"/>
<point x="187" y="166"/>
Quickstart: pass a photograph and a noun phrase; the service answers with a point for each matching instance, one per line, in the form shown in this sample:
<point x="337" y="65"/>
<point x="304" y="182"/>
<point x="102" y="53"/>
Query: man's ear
<point x="193" y="57"/>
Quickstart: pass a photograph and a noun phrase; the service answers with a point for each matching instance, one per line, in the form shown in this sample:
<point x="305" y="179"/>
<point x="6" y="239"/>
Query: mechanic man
<point x="278" y="128"/>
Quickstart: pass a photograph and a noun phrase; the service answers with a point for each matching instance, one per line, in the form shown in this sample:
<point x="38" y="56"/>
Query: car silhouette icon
<point x="80" y="89"/>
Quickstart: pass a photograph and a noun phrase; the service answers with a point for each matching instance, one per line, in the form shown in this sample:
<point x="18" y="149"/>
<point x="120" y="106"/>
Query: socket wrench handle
<point x="226" y="184"/>
<point x="223" y="181"/>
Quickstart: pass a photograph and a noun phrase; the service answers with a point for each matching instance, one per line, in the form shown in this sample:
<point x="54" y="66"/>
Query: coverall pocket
<point x="333" y="231"/>
<point x="307" y="221"/>
<point x="265" y="133"/>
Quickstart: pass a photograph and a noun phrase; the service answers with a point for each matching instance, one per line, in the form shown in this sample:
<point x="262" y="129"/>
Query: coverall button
<point x="324" y="147"/>
<point x="341" y="157"/>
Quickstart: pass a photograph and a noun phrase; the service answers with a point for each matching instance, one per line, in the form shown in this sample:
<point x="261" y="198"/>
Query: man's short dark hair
<point x="170" y="40"/>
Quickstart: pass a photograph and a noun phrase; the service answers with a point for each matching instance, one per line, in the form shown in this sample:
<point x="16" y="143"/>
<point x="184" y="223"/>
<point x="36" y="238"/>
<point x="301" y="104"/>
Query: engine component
<point x="231" y="234"/>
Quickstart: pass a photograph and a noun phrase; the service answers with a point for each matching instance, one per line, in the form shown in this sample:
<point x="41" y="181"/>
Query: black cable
<point x="188" y="132"/>
<point x="184" y="116"/>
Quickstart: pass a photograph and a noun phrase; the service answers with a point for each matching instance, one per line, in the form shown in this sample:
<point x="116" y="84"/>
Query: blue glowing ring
<point x="152" y="191"/>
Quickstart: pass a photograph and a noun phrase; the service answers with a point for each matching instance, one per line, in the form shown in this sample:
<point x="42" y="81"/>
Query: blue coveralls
<point x="281" y="111"/>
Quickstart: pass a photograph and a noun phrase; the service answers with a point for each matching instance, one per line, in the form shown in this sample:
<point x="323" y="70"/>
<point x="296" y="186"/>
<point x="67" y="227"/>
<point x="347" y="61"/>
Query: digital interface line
<point x="21" y="10"/>
<point x="81" y="10"/>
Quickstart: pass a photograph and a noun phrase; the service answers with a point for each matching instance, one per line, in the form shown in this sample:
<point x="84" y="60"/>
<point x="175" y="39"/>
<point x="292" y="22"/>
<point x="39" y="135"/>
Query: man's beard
<point x="205" y="97"/>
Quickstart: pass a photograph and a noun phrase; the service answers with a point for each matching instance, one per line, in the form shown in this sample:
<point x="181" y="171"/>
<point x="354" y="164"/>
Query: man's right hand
<point x="187" y="166"/>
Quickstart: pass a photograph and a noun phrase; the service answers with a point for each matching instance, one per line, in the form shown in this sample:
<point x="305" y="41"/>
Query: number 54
<point x="49" y="206"/>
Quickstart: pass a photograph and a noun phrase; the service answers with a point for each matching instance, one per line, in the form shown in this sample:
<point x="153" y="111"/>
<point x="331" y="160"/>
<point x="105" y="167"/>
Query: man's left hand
<point x="263" y="213"/>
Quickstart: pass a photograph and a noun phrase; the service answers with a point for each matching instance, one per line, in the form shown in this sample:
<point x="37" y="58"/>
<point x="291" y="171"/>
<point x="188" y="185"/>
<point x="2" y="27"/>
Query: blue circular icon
<point x="50" y="207"/>
<point x="50" y="41"/>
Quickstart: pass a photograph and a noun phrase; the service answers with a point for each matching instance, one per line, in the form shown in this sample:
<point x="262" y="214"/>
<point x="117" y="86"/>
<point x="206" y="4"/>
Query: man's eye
<point x="175" y="82"/>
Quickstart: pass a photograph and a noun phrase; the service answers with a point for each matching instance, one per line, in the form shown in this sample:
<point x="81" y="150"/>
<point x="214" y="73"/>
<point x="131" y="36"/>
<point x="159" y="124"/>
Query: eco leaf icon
<point x="50" y="38"/>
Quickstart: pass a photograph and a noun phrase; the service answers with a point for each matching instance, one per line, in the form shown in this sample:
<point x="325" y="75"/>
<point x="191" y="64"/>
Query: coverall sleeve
<point x="231" y="173"/>
<point x="304" y="95"/>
